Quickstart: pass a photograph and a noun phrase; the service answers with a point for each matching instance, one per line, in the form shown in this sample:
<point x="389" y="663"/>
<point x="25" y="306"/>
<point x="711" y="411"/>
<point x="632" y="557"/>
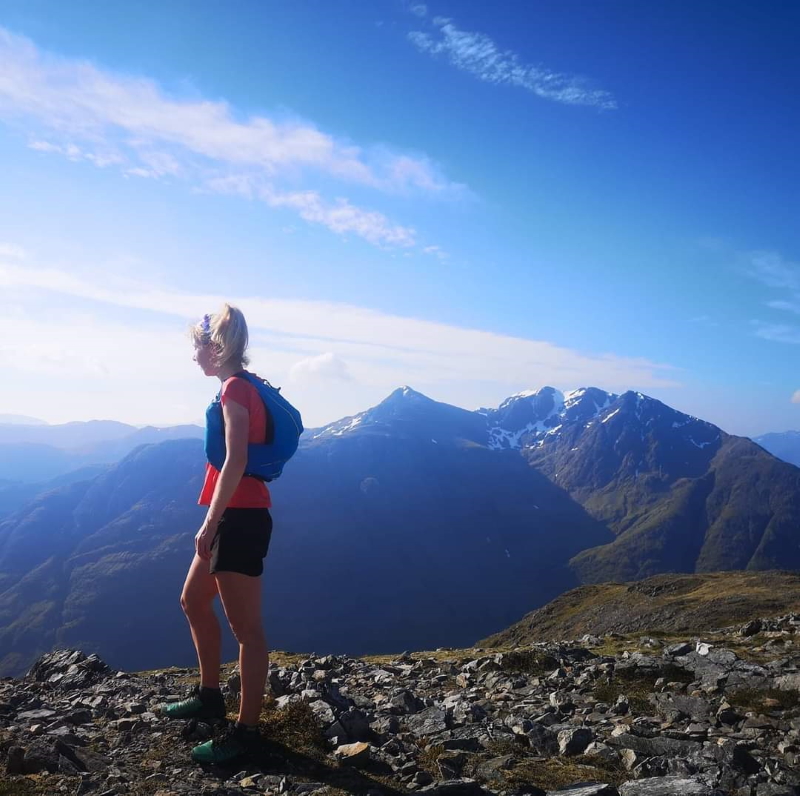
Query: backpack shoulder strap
<point x="257" y="382"/>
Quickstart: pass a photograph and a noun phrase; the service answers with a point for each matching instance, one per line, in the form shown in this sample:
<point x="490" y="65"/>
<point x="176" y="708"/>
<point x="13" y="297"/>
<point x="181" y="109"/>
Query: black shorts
<point x="241" y="542"/>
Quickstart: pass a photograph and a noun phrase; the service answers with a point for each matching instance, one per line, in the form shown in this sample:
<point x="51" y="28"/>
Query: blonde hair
<point x="226" y="332"/>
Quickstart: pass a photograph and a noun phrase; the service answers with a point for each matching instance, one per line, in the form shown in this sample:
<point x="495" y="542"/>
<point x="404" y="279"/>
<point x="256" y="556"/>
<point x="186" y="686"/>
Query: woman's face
<point x="203" y="356"/>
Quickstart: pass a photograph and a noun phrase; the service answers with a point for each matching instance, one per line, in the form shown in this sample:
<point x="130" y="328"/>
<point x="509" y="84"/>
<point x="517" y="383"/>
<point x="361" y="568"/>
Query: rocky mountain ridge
<point x="525" y="420"/>
<point x="664" y="717"/>
<point x="677" y="493"/>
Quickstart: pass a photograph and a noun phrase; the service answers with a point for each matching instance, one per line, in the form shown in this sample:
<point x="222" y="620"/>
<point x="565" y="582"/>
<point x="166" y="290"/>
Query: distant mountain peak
<point x="21" y="420"/>
<point x="546" y="389"/>
<point x="532" y="416"/>
<point x="640" y="403"/>
<point x="530" y="419"/>
<point x="406" y="392"/>
<point x="785" y="445"/>
<point x="409" y="413"/>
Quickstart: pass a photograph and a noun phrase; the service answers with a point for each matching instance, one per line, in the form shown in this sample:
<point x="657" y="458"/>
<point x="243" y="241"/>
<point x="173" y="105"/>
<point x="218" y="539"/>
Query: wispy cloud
<point x="777" y="332"/>
<point x="75" y="153"/>
<point x="320" y="368"/>
<point x="477" y="54"/>
<point x="419" y="10"/>
<point x="339" y="216"/>
<point x="796" y="397"/>
<point x="773" y="270"/>
<point x="436" y="251"/>
<point x="295" y="340"/>
<point x="85" y="113"/>
<point x="789" y="306"/>
<point x="10" y="251"/>
<point x="705" y="320"/>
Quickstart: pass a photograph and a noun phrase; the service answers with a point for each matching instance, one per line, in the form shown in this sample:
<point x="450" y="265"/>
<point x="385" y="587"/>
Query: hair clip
<point x="205" y="326"/>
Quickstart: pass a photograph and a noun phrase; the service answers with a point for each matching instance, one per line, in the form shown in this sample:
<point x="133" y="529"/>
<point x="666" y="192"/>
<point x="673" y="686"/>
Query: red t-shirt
<point x="252" y="493"/>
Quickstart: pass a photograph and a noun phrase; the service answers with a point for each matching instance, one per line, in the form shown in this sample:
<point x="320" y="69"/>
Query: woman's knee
<point x="248" y="634"/>
<point x="195" y="604"/>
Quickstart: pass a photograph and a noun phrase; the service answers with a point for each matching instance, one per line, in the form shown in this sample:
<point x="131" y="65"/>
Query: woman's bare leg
<point x="241" y="599"/>
<point x="197" y="601"/>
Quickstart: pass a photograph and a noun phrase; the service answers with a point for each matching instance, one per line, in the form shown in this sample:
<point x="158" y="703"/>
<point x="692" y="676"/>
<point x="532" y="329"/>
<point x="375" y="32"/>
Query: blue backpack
<point x="284" y="427"/>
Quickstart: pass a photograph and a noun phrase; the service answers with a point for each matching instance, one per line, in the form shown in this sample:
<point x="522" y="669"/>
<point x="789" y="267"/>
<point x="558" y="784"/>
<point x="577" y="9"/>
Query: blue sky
<point x="472" y="199"/>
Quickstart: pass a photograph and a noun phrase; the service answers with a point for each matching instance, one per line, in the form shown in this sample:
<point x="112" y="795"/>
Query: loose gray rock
<point x="574" y="741"/>
<point x="354" y="754"/>
<point x="430" y="721"/>
<point x="458" y="787"/>
<point x="666" y="786"/>
<point x="41" y="755"/>
<point x="15" y="760"/>
<point x="586" y="789"/>
<point x="463" y="722"/>
<point x="751" y="628"/>
<point x="774" y="789"/>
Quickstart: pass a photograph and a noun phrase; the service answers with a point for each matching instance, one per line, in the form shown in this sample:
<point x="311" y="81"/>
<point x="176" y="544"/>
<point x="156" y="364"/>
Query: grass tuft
<point x="532" y="662"/>
<point x="754" y="699"/>
<point x="559" y="772"/>
<point x="295" y="726"/>
<point x="428" y="756"/>
<point x="637" y="686"/>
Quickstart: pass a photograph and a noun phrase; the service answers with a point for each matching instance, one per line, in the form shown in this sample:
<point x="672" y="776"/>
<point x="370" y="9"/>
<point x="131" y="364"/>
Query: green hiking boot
<point x="193" y="707"/>
<point x="232" y="743"/>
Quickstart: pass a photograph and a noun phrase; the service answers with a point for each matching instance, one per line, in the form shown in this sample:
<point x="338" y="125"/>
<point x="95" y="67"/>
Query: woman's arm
<point x="237" y="427"/>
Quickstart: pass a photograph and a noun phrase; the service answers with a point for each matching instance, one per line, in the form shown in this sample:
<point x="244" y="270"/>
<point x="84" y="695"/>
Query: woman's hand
<point x="204" y="538"/>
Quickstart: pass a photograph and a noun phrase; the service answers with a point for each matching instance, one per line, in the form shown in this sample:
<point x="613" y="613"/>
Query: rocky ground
<point x="611" y="716"/>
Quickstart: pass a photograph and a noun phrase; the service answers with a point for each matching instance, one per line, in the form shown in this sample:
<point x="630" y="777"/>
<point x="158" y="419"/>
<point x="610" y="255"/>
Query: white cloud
<point x="342" y="217"/>
<point x="45" y="146"/>
<point x="437" y="251"/>
<point x="796" y="397"/>
<point x="777" y="332"/>
<point x="82" y="112"/>
<point x="706" y="320"/>
<point x="99" y="158"/>
<point x="774" y="270"/>
<point x="467" y="367"/>
<point x="11" y="250"/>
<point x="477" y="54"/>
<point x="789" y="306"/>
<point x="419" y="10"/>
<point x="320" y="368"/>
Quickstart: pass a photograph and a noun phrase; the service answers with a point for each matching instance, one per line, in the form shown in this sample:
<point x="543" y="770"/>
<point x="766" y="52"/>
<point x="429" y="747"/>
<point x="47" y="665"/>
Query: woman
<point x="229" y="547"/>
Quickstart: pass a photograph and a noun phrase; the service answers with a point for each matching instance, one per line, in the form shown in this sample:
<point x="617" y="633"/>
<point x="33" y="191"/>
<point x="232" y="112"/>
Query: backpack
<point x="266" y="460"/>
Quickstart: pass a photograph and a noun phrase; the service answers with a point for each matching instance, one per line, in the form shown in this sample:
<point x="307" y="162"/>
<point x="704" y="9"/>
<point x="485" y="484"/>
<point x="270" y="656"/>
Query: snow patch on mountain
<point x="507" y="432"/>
<point x="609" y="416"/>
<point x="529" y="419"/>
<point x="532" y="417"/>
<point x="341" y="426"/>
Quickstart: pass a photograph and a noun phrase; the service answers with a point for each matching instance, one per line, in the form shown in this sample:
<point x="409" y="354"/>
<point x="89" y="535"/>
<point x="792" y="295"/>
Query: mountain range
<point x="32" y="453"/>
<point x="414" y="524"/>
<point x="785" y="445"/>
<point x="24" y="420"/>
